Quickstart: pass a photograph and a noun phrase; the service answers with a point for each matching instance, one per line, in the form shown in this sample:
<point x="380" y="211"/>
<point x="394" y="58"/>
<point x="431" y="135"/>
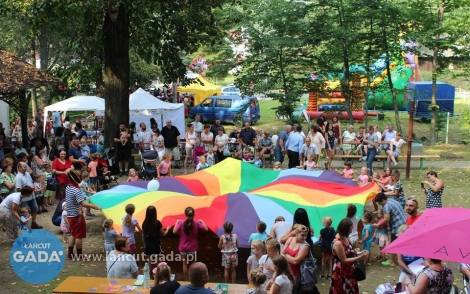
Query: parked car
<point x="231" y="91"/>
<point x="229" y="109"/>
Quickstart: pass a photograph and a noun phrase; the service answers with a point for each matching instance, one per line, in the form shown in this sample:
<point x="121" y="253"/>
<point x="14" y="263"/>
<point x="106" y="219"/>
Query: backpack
<point x="308" y="268"/>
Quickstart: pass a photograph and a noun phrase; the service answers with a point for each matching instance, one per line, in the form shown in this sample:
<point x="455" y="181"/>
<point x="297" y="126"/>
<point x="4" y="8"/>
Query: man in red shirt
<point x="411" y="207"/>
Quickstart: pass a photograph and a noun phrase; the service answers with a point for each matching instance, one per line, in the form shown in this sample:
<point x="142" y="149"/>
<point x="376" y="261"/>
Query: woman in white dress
<point x="157" y="142"/>
<point x="191" y="140"/>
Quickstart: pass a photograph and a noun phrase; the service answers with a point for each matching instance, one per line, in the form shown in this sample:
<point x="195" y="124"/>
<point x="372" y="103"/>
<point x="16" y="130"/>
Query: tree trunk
<point x="435" y="67"/>
<point x="345" y="83"/>
<point x="34" y="106"/>
<point x="44" y="65"/>
<point x="116" y="80"/>
<point x="389" y="78"/>
<point x="369" y="57"/>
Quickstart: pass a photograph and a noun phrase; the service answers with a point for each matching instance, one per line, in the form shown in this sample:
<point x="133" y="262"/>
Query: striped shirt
<point x="73" y="198"/>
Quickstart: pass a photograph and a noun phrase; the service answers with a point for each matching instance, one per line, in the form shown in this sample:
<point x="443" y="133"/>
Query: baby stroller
<point x="105" y="179"/>
<point x="148" y="161"/>
<point x="108" y="157"/>
<point x="198" y="151"/>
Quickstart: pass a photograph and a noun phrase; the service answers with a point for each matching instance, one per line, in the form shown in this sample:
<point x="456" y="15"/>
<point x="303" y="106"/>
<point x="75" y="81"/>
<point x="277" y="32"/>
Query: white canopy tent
<point x="143" y="106"/>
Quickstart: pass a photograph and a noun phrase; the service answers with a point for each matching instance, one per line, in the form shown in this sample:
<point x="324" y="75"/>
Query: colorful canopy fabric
<point x="241" y="193"/>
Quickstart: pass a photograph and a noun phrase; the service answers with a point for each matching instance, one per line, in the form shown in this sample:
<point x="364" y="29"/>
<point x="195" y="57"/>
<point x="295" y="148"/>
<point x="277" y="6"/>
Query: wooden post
<point x="410" y="138"/>
<point x="24" y="118"/>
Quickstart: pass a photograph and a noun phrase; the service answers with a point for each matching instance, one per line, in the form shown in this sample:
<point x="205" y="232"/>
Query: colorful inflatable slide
<point x="241" y="193"/>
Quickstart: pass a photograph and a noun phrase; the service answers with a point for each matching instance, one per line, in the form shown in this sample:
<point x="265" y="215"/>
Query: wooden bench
<point x="402" y="157"/>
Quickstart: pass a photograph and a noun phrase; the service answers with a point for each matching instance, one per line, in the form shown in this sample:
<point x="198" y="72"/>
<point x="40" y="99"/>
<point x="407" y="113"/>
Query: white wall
<point x="5" y="116"/>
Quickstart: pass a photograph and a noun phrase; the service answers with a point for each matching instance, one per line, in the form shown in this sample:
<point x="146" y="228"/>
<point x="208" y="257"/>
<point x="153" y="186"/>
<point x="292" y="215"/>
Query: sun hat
<point x="74" y="177"/>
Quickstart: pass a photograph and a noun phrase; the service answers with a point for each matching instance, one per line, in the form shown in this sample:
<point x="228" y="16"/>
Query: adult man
<point x="393" y="215"/>
<point x="198" y="277"/>
<point x="144" y="136"/>
<point x="80" y="131"/>
<point x="248" y="136"/>
<point x="171" y="135"/>
<point x="215" y="128"/>
<point x="56" y="122"/>
<point x="198" y="127"/>
<point x="23" y="178"/>
<point x="39" y="119"/>
<point x="388" y="135"/>
<point x="372" y="141"/>
<point x="93" y="147"/>
<point x="293" y="146"/>
<point x="280" y="228"/>
<point x="308" y="148"/>
<point x="75" y="154"/>
<point x="411" y="207"/>
<point x="123" y="152"/>
<point x="398" y="193"/>
<point x="279" y="150"/>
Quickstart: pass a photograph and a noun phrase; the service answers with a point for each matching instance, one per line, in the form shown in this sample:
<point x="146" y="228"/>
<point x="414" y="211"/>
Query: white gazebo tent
<point x="76" y="103"/>
<point x="143" y="106"/>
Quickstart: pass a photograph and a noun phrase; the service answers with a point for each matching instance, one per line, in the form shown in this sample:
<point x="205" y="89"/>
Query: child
<point x="380" y="236"/>
<point x="247" y="156"/>
<point x="64" y="223"/>
<point x="348" y="172"/>
<point x="257" y="161"/>
<point x="273" y="249"/>
<point x="123" y="136"/>
<point x="48" y="194"/>
<point x="86" y="192"/>
<point x="363" y="178"/>
<point x="260" y="233"/>
<point x="129" y="224"/>
<point x="100" y="148"/>
<point x="351" y="214"/>
<point x="84" y="149"/>
<point x="277" y="165"/>
<point x="202" y="163"/>
<point x="133" y="177"/>
<point x="25" y="219"/>
<point x="93" y="167"/>
<point x="228" y="243"/>
<point x="327" y="235"/>
<point x="310" y="164"/>
<point x="283" y="277"/>
<point x="109" y="235"/>
<point x="258" y="279"/>
<point x="210" y="157"/>
<point x="107" y="175"/>
<point x="39" y="191"/>
<point x="164" y="168"/>
<point x="257" y="250"/>
<point x="366" y="234"/>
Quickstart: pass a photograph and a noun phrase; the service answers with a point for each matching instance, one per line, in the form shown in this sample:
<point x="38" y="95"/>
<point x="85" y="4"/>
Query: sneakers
<point x="35" y="226"/>
<point x="364" y="158"/>
<point x="88" y="217"/>
<point x="387" y="263"/>
<point x="121" y="173"/>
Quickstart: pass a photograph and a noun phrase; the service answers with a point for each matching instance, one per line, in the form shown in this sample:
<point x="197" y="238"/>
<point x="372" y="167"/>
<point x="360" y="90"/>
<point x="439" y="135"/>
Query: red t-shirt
<point x="411" y="220"/>
<point x="58" y="166"/>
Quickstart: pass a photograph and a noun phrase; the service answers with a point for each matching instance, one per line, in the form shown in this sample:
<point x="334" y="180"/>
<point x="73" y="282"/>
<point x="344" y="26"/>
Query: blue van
<point x="229" y="109"/>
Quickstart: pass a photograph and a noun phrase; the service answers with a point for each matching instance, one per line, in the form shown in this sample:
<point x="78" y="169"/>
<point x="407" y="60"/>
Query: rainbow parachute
<point x="241" y="193"/>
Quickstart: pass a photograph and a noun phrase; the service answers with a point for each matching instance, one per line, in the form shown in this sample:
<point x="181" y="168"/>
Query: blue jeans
<point x="56" y="221"/>
<point x="32" y="204"/>
<point x="370" y="159"/>
<point x="278" y="156"/>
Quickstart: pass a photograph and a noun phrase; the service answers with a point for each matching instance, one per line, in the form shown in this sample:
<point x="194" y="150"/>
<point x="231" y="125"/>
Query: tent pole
<point x="447" y="128"/>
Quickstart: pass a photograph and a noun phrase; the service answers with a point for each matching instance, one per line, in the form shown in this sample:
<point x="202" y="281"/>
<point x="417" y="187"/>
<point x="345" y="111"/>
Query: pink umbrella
<point x="439" y="233"/>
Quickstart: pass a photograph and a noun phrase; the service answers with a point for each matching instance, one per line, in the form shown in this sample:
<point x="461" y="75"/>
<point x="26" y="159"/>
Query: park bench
<point x="421" y="158"/>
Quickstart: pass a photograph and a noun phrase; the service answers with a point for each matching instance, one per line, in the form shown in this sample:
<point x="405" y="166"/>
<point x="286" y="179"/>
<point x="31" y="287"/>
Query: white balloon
<point x="153" y="185"/>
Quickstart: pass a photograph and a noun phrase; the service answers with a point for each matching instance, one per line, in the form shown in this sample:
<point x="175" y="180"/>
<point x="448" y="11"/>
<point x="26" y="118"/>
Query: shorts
<point x="393" y="237"/>
<point x="268" y="151"/>
<point x="48" y="193"/>
<point x="332" y="145"/>
<point x="93" y="180"/>
<point x="123" y="153"/>
<point x="366" y="245"/>
<point x="396" y="153"/>
<point x="346" y="147"/>
<point x="229" y="260"/>
<point x="385" y="147"/>
<point x="163" y="175"/>
<point x="32" y="204"/>
<point x="327" y="254"/>
<point x="77" y="226"/>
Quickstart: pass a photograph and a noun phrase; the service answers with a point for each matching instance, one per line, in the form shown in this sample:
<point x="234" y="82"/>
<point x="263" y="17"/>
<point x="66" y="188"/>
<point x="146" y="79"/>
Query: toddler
<point x="366" y="234"/>
<point x="277" y="165"/>
<point x="257" y="250"/>
<point x="348" y="172"/>
<point x="123" y="136"/>
<point x="247" y="156"/>
<point x="109" y="235"/>
<point x="273" y="249"/>
<point x="129" y="224"/>
<point x="133" y="177"/>
<point x="86" y="192"/>
<point x="351" y="214"/>
<point x="210" y="157"/>
<point x="39" y="191"/>
<point x="310" y="164"/>
<point x="202" y="163"/>
<point x="25" y="219"/>
<point x="258" y="278"/>
<point x="228" y="243"/>
<point x="84" y="149"/>
<point x="164" y="168"/>
<point x="380" y="236"/>
<point x="93" y="167"/>
<point x="257" y="161"/>
<point x="100" y="148"/>
<point x="327" y="235"/>
<point x="363" y="178"/>
<point x="64" y="223"/>
<point x="48" y="194"/>
<point x="260" y="233"/>
<point x="107" y="175"/>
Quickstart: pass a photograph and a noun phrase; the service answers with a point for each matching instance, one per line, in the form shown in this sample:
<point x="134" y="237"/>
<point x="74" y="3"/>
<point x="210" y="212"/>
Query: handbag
<point x="226" y="151"/>
<point x="52" y="185"/>
<point x="360" y="270"/>
<point x="308" y="269"/>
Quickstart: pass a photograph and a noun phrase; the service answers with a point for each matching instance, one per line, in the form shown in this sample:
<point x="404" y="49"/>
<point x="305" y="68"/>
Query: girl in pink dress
<point x="164" y="168"/>
<point x="363" y="178"/>
<point x="348" y="172"/>
<point x="133" y="177"/>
